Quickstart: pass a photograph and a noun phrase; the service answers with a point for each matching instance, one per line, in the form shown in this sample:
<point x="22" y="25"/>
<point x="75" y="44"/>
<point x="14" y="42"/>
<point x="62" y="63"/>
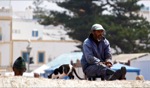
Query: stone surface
<point x="24" y="82"/>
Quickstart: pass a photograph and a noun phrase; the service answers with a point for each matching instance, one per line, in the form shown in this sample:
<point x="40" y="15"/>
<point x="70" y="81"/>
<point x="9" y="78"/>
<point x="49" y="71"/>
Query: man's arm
<point x="87" y="50"/>
<point x="108" y="55"/>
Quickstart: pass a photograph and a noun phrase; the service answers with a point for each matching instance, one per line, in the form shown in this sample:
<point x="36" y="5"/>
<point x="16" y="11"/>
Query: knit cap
<point x="19" y="63"/>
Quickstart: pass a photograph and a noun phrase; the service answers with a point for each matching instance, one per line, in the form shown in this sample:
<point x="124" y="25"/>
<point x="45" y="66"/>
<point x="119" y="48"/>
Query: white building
<point x="5" y="38"/>
<point x="145" y="11"/>
<point x="46" y="43"/>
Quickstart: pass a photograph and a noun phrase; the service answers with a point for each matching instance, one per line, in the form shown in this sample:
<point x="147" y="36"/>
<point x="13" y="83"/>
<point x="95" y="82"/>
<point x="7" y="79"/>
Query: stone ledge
<point x="19" y="82"/>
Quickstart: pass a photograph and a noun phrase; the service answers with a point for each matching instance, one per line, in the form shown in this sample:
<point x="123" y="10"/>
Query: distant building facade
<point x="46" y="43"/>
<point x="145" y="11"/>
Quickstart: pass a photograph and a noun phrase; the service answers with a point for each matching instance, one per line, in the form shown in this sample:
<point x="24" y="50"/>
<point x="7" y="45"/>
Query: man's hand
<point x="108" y="64"/>
<point x="102" y="64"/>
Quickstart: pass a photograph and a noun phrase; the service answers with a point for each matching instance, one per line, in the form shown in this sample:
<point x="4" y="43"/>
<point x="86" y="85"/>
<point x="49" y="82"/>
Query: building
<point x="145" y="11"/>
<point x="26" y="38"/>
<point x="5" y="38"/>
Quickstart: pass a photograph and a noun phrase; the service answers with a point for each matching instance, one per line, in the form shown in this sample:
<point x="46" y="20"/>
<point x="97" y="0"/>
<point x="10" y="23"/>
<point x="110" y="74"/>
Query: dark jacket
<point x="94" y="52"/>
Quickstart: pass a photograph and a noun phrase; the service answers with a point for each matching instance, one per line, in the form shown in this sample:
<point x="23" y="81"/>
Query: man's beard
<point x="99" y="38"/>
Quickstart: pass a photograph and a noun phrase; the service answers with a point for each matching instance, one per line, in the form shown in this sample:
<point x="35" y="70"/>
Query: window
<point x="16" y="31"/>
<point x="41" y="57"/>
<point x="35" y="33"/>
<point x="25" y="56"/>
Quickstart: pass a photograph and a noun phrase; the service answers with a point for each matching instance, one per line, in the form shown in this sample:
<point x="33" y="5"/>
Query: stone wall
<point x="19" y="82"/>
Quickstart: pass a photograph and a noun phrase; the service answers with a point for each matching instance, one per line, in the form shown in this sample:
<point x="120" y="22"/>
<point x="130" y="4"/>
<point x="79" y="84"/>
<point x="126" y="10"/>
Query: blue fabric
<point x="65" y="59"/>
<point x="128" y="68"/>
<point x="66" y="77"/>
<point x="62" y="59"/>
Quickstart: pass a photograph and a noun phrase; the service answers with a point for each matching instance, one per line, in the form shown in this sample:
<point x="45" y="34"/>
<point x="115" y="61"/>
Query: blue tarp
<point x="65" y="59"/>
<point x="62" y="59"/>
<point x="74" y="56"/>
<point x="129" y="68"/>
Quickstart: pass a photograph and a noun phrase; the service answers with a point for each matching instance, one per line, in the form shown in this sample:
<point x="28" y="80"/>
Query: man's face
<point x="98" y="34"/>
<point x="19" y="72"/>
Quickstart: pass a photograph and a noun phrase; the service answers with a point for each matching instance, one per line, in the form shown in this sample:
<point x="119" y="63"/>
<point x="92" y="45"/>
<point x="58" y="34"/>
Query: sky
<point x="20" y="5"/>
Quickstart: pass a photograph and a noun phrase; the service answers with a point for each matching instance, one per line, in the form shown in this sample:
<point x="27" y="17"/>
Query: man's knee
<point x="109" y="72"/>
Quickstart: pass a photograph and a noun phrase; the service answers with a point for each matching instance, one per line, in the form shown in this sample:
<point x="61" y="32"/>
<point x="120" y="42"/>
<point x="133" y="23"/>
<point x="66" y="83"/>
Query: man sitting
<point x="96" y="58"/>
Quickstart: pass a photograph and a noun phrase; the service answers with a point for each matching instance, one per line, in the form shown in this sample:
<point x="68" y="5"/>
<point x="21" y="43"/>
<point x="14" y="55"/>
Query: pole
<point x="28" y="61"/>
<point x="28" y="55"/>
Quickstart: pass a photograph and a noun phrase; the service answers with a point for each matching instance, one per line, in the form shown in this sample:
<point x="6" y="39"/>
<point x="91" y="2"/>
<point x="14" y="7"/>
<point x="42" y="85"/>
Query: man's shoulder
<point x="106" y="41"/>
<point x="87" y="41"/>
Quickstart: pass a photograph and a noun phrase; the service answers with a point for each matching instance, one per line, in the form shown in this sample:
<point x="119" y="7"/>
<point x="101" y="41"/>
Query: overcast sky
<point x="19" y="5"/>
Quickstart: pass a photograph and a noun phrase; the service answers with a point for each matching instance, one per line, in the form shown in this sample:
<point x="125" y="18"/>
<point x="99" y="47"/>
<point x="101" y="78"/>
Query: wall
<point x="5" y="42"/>
<point x="22" y="29"/>
<point x="52" y="49"/>
<point x="144" y="66"/>
<point x="5" y="30"/>
<point x="5" y="54"/>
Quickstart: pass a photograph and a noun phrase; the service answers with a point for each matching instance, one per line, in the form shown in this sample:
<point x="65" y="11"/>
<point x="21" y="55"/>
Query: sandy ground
<point x="24" y="82"/>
